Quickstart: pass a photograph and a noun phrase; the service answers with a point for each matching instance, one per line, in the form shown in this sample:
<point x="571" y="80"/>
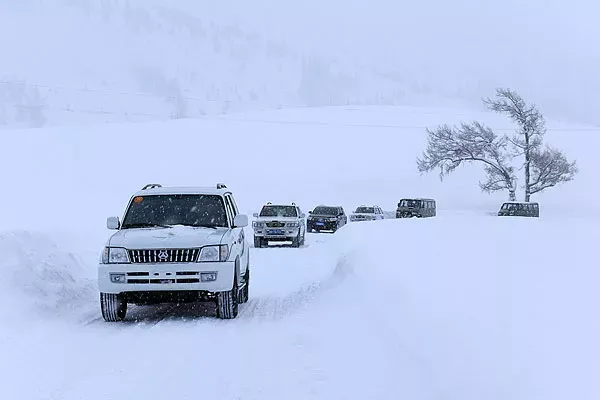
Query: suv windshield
<point x="278" y="211"/>
<point x="326" y="211"/>
<point x="410" y="203"/>
<point x="176" y="209"/>
<point x="365" y="210"/>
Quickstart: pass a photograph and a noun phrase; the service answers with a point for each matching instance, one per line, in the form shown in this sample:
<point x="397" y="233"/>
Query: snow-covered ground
<point x="462" y="306"/>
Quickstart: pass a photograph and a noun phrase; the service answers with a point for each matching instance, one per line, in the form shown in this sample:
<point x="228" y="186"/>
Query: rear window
<point x="279" y="211"/>
<point x="176" y="209"/>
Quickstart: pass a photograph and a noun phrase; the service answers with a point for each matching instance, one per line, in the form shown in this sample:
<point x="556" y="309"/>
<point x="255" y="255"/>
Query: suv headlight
<point x="214" y="253"/>
<point x="115" y="255"/>
<point x="332" y="219"/>
<point x="257" y="224"/>
<point x="292" y="224"/>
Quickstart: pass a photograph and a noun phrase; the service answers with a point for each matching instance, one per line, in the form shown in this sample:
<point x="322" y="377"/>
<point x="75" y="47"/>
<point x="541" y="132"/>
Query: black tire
<point x="113" y="306"/>
<point x="227" y="302"/>
<point x="246" y="289"/>
<point x="296" y="240"/>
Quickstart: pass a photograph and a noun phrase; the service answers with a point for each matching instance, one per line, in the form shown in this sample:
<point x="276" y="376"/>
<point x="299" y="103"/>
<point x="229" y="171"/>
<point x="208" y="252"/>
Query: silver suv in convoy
<point x="367" y="213"/>
<point x="279" y="223"/>
<point x="176" y="245"/>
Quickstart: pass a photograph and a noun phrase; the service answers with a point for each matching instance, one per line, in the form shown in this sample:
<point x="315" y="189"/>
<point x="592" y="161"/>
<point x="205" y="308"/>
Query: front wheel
<point x="227" y="302"/>
<point x="113" y="306"/>
<point x="246" y="289"/>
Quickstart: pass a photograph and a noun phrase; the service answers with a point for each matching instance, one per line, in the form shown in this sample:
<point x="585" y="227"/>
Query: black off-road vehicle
<point x="326" y="218"/>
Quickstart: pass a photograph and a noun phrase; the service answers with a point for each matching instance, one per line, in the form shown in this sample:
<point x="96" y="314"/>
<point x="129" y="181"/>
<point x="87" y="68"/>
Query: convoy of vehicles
<point x="188" y="244"/>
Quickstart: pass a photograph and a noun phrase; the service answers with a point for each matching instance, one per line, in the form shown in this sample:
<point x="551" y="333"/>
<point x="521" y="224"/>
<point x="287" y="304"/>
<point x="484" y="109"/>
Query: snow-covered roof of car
<point x="218" y="190"/>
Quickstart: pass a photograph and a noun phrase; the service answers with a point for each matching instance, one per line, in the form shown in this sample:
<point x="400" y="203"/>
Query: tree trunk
<point x="527" y="167"/>
<point x="512" y="191"/>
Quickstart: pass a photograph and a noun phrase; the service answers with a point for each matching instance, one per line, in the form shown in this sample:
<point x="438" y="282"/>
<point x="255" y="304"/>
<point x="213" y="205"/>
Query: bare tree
<point x="549" y="167"/>
<point x="449" y="147"/>
<point x="531" y="128"/>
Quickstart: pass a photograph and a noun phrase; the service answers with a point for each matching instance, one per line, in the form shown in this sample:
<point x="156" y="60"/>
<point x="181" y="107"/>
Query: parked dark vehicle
<point x="420" y="208"/>
<point x="326" y="218"/>
<point x="518" y="209"/>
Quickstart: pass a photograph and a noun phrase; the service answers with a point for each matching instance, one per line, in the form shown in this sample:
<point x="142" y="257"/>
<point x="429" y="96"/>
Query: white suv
<point x="279" y="223"/>
<point x="367" y="213"/>
<point x="176" y="245"/>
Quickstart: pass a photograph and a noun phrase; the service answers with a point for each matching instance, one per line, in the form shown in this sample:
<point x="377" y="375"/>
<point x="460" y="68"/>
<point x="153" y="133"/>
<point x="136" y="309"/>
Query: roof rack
<point x="152" y="186"/>
<point x="221" y="186"/>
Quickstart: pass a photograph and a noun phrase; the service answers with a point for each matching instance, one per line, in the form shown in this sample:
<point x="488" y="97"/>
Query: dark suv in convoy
<point x="326" y="218"/>
<point x="420" y="208"/>
<point x="518" y="209"/>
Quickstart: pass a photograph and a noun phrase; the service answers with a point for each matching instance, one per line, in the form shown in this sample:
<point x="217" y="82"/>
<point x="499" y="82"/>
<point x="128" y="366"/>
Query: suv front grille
<point x="275" y="224"/>
<point x="156" y="256"/>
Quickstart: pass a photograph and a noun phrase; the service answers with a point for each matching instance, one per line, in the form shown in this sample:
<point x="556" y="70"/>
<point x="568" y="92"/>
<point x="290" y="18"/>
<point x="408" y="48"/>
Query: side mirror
<point x="310" y="212"/>
<point x="255" y="215"/>
<point x="240" y="221"/>
<point x="113" y="223"/>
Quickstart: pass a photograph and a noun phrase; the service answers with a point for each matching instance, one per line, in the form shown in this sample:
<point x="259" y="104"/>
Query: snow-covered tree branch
<point x="527" y="142"/>
<point x="449" y="147"/>
<point x="549" y="167"/>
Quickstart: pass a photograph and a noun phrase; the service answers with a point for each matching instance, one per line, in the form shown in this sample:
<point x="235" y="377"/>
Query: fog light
<point x="117" y="278"/>
<point x="208" y="276"/>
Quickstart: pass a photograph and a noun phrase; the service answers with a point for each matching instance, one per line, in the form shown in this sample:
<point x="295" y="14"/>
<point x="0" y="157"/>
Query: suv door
<point x="238" y="240"/>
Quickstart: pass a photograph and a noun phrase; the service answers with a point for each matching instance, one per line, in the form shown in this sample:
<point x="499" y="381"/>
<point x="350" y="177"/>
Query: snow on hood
<point x="174" y="237"/>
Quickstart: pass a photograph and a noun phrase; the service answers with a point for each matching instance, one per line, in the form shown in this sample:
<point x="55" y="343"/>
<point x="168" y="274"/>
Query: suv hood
<point x="164" y="238"/>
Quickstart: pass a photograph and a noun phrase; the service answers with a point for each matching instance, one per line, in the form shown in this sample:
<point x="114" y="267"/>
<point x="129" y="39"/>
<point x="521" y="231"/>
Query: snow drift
<point x="40" y="279"/>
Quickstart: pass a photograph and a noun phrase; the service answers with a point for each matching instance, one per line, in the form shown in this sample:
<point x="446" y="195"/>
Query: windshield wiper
<point x="145" y="225"/>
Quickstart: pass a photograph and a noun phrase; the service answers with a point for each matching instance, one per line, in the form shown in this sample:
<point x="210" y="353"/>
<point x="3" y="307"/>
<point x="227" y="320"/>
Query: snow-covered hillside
<point x="90" y="61"/>
<point x="127" y="60"/>
<point x="462" y="306"/>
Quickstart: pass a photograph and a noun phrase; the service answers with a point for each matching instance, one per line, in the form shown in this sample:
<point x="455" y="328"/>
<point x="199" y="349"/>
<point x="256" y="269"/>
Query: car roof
<point x="520" y="202"/>
<point x="182" y="190"/>
<point x="416" y="198"/>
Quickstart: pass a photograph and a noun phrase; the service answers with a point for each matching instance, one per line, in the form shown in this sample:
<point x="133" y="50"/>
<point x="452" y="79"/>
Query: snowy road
<point x="295" y="339"/>
<point x="370" y="312"/>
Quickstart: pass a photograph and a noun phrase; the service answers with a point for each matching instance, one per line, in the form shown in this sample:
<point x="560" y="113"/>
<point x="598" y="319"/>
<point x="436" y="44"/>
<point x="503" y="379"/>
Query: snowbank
<point x="40" y="279"/>
<point x="486" y="308"/>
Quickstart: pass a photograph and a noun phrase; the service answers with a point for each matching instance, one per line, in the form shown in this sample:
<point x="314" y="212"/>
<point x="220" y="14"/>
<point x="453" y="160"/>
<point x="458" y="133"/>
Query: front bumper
<point x="277" y="233"/>
<point x="167" y="277"/>
<point x="321" y="225"/>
